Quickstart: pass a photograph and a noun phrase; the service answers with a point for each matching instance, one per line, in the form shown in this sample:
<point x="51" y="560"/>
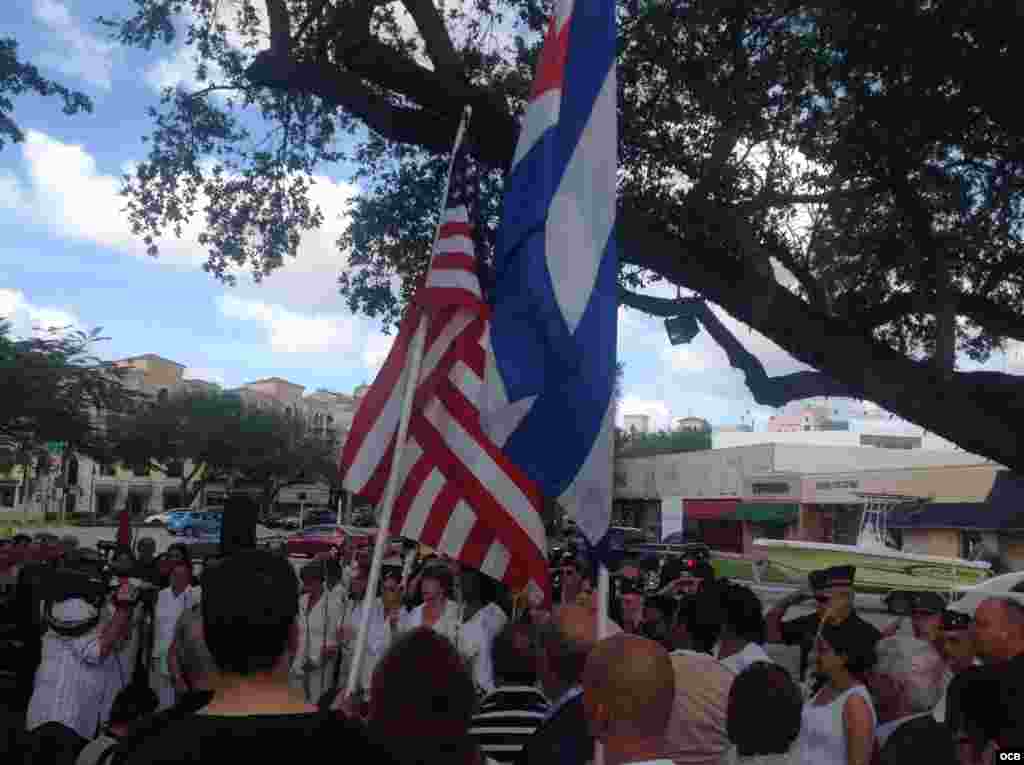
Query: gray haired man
<point x="906" y="684"/>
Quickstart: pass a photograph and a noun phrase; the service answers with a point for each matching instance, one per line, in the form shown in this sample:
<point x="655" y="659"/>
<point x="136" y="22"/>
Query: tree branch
<point x="432" y="127"/>
<point x="280" y="27"/>
<point x="997" y="319"/>
<point x="839" y="349"/>
<point x="439" y="44"/>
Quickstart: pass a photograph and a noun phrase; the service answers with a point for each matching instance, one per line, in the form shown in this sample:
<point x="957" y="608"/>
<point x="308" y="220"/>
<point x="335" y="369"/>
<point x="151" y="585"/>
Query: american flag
<point x="458" y="493"/>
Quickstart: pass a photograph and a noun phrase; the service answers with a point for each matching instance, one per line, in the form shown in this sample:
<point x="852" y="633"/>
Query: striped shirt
<point x="507" y="717"/>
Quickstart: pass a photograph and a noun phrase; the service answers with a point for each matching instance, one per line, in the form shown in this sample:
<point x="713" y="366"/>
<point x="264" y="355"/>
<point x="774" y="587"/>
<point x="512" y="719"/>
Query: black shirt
<point x="257" y="738"/>
<point x="804" y="629"/>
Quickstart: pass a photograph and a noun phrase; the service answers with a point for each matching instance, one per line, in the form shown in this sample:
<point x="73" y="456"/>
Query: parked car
<point x="329" y="537"/>
<point x="177" y="523"/>
<point x="161" y="519"/>
<point x="203" y="523"/>
<point x="319" y="517"/>
<point x="967" y="599"/>
<point x="317" y="539"/>
<point x="288" y="522"/>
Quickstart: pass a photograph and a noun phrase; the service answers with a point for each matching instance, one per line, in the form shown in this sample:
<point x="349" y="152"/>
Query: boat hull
<point x="877" y="570"/>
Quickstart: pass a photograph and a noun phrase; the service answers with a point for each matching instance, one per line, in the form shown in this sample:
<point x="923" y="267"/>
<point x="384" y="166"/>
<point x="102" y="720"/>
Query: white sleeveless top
<point x="822" y="733"/>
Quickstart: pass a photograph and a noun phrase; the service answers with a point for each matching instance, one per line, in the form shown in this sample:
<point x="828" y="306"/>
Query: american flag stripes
<point x="457" y="492"/>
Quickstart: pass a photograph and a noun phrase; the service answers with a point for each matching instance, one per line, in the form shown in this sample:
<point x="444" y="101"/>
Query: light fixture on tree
<point x="681" y="329"/>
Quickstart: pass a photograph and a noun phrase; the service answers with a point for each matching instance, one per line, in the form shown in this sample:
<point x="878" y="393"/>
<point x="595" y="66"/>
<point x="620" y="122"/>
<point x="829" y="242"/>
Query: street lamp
<point x="681" y="329"/>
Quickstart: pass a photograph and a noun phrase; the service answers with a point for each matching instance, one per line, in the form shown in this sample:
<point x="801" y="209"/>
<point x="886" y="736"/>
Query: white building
<point x="636" y="423"/>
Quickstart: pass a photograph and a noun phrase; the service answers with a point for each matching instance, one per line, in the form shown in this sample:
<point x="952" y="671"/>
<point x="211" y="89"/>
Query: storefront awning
<point x="1002" y="510"/>
<point x="766" y="512"/>
<point x="708" y="509"/>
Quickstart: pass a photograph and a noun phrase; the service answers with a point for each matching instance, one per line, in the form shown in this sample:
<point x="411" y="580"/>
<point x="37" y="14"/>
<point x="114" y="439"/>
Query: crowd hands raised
<point x="456" y="671"/>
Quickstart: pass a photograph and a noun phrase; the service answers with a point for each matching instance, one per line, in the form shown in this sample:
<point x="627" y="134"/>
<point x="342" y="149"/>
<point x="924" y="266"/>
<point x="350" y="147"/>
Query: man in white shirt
<point x="628" y="693"/>
<point x="170" y="603"/>
<point x="79" y="665"/>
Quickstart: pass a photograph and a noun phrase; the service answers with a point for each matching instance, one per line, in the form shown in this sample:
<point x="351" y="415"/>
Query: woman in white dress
<point x="318" y="620"/>
<point x="838" y="725"/>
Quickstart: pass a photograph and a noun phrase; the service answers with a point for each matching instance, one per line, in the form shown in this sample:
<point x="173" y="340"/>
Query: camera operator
<point x="82" y="667"/>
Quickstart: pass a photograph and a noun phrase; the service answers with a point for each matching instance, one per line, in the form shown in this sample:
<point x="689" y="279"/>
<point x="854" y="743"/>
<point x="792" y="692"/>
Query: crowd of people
<point x="249" y="658"/>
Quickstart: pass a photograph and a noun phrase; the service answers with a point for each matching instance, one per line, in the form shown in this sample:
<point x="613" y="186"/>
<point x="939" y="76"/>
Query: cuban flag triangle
<point x="456" y="491"/>
<point x="551" y="376"/>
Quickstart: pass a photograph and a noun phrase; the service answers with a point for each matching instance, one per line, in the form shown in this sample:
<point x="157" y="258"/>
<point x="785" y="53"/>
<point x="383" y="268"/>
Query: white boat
<point x="880" y="567"/>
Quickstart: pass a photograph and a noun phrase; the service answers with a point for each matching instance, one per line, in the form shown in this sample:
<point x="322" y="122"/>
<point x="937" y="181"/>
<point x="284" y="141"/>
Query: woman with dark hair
<point x="764" y="716"/>
<point x="441" y="612"/>
<point x="839" y="720"/>
<point x="742" y="633"/>
<point x="426" y="721"/>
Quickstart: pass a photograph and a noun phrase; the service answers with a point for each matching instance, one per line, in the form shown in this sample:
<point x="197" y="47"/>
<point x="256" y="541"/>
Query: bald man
<point x="998" y="630"/>
<point x="565" y="643"/>
<point x="628" y="691"/>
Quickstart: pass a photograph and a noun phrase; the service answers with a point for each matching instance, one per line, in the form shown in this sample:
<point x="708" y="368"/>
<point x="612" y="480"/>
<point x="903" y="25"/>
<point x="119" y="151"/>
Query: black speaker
<point x="238" y="530"/>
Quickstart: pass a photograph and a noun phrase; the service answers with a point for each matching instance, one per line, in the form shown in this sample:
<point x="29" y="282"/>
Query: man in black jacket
<point x="563" y="737"/>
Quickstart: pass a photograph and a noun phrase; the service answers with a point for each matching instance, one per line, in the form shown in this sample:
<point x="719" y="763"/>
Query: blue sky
<point x="67" y="255"/>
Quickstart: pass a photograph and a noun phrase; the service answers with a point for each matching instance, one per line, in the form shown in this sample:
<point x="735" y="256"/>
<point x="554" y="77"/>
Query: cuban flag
<point x="551" y="374"/>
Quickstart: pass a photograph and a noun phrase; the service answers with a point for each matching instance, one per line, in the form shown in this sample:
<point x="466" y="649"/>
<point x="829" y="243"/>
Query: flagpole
<point x="408" y="395"/>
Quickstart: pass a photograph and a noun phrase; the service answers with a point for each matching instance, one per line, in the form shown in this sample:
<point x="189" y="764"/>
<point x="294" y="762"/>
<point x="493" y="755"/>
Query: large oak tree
<point x="846" y="181"/>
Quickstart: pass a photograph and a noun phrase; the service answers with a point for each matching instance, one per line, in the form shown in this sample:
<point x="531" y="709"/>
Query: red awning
<point x="708" y="509"/>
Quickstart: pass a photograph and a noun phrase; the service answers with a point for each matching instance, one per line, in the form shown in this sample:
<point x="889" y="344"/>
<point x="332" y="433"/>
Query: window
<point x="108" y="469"/>
<point x="7" y="494"/>
<point x="142" y="471"/>
<point x="175" y="469"/>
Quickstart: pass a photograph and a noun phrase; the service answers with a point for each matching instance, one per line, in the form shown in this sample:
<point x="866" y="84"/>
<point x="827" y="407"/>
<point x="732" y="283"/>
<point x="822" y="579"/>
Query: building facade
<point x="108" y="489"/>
<point x="730" y="496"/>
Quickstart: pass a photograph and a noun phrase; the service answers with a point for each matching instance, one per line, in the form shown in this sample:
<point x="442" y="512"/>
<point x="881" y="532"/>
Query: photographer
<point x="81" y="668"/>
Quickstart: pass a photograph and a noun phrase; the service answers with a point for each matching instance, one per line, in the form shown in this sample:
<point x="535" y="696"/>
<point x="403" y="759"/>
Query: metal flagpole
<point x="384" y="522"/>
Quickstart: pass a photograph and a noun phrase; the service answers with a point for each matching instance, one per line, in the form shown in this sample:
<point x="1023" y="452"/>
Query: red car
<point x="330" y="538"/>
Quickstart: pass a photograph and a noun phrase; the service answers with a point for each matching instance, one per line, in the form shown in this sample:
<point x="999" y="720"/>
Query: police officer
<point x="832" y="591"/>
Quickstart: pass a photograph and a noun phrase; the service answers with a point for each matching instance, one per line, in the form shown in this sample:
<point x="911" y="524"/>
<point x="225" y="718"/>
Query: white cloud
<point x="80" y="54"/>
<point x="291" y="332"/>
<point x="658" y="411"/>
<point x="28" y="319"/>
<point x="341" y="335"/>
<point x="208" y="374"/>
<point x="376" y="351"/>
<point x="171" y="71"/>
<point x="66" y="191"/>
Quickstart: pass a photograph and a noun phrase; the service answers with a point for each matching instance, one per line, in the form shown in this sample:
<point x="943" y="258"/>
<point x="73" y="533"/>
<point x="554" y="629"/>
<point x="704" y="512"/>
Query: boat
<point x="881" y="568"/>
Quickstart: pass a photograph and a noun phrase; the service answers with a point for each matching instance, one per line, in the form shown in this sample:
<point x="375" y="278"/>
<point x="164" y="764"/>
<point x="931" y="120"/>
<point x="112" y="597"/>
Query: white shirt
<point x="169" y="607"/>
<point x="74" y="685"/>
<point x="883" y="731"/>
<point x="822" y="733"/>
<point x="379" y="634"/>
<point x="318" y="628"/>
<point x="740" y="661"/>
